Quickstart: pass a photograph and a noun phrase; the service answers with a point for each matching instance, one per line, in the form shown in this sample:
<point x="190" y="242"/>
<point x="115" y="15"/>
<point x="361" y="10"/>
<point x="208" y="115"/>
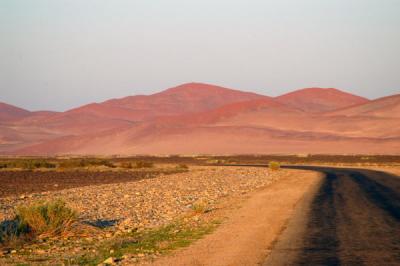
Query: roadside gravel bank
<point x="151" y="202"/>
<point x="120" y="208"/>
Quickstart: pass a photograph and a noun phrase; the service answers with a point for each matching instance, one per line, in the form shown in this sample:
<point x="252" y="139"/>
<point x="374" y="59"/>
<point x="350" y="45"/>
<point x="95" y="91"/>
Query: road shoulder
<point x="250" y="232"/>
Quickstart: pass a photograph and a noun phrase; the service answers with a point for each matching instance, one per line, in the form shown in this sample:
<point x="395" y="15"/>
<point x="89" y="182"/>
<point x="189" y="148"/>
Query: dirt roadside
<point x="249" y="233"/>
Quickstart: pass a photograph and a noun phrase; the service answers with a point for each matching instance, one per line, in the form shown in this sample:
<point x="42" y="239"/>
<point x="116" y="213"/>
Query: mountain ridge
<point x="198" y="118"/>
<point x="320" y="99"/>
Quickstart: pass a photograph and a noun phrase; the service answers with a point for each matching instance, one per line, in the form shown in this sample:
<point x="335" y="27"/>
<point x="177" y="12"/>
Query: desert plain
<point x="206" y="210"/>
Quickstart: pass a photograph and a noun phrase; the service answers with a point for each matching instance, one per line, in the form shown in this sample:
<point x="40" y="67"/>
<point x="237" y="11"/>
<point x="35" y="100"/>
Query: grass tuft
<point x="152" y="241"/>
<point x="45" y="219"/>
<point x="200" y="207"/>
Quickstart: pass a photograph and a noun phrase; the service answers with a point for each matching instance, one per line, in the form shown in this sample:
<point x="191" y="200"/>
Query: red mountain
<point x="255" y="126"/>
<point x="183" y="99"/>
<point x="316" y="100"/>
<point x="9" y="112"/>
<point x="198" y="118"/>
<point x="382" y="107"/>
<point x="259" y="107"/>
<point x="120" y="113"/>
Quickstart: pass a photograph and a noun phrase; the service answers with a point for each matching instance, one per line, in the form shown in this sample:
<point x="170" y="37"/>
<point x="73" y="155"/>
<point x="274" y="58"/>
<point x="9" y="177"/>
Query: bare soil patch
<point x="16" y="183"/>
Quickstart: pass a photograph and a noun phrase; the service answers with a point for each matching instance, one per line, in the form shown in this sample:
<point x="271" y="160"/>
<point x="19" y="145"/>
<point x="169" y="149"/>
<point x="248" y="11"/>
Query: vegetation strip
<point x="152" y="242"/>
<point x="44" y="221"/>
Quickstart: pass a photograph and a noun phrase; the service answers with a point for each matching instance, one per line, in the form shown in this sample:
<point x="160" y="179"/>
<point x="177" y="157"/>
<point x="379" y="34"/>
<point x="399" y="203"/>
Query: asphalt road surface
<point x="352" y="218"/>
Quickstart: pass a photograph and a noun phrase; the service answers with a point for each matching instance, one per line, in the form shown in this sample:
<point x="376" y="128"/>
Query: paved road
<point x="353" y="218"/>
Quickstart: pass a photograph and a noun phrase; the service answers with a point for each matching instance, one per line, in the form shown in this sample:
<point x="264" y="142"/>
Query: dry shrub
<point x="27" y="164"/>
<point x="182" y="166"/>
<point x="274" y="166"/>
<point x="200" y="206"/>
<point x="126" y="165"/>
<point x="46" y="219"/>
<point x="78" y="163"/>
<point x="143" y="164"/>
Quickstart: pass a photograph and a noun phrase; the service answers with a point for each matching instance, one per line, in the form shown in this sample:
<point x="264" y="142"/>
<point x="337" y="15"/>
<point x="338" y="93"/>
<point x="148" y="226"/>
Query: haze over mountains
<point x="197" y="118"/>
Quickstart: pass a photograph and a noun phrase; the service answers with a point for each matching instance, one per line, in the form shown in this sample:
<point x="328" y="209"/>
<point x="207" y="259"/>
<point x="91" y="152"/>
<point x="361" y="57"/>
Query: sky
<point x="60" y="54"/>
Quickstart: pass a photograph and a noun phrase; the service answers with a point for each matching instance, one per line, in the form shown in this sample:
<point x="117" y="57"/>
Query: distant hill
<point x="9" y="112"/>
<point x="320" y="100"/>
<point x="183" y="99"/>
<point x="382" y="107"/>
<point x="196" y="118"/>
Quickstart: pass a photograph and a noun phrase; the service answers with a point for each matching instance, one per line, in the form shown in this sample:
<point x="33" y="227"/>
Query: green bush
<point x="45" y="219"/>
<point x="274" y="166"/>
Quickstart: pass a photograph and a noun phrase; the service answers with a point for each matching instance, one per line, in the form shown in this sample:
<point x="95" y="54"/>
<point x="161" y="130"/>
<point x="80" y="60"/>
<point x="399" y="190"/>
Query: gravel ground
<point x="150" y="202"/>
<point x="137" y="205"/>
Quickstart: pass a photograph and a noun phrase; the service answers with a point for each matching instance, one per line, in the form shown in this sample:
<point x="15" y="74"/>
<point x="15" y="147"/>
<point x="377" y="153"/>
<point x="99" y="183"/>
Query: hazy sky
<point x="60" y="54"/>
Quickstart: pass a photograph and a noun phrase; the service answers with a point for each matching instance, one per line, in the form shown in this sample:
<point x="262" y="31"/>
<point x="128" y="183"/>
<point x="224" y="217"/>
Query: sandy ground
<point x="248" y="235"/>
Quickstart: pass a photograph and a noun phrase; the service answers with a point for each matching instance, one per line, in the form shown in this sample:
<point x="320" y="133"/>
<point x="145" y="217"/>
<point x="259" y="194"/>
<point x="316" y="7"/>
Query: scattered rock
<point x="40" y="251"/>
<point x="121" y="208"/>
